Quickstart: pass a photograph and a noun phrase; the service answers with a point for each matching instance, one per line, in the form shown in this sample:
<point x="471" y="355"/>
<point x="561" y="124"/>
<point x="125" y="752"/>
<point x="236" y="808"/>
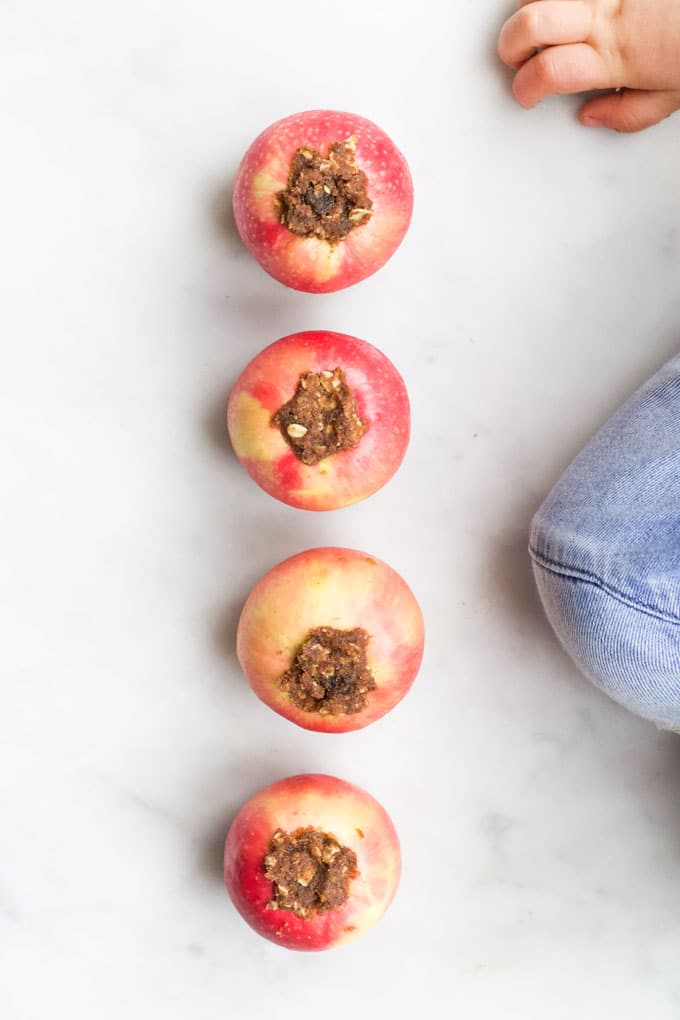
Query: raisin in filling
<point x="310" y="871"/>
<point x="321" y="417"/>
<point x="326" y="196"/>
<point x="329" y="673"/>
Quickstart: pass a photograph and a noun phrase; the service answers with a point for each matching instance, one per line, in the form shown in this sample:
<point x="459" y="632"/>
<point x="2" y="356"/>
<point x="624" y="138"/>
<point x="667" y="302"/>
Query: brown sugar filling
<point x="329" y="673"/>
<point x="321" y="417"/>
<point x="326" y="196"/>
<point x="310" y="870"/>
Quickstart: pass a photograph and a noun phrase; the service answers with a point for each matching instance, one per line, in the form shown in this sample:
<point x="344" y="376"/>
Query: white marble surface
<point x="539" y="283"/>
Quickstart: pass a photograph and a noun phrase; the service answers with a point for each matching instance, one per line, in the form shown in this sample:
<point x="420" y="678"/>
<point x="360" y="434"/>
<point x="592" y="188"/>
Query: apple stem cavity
<point x="330" y="674"/>
<point x="310" y="871"/>
<point x="321" y="417"/>
<point x="326" y="196"/>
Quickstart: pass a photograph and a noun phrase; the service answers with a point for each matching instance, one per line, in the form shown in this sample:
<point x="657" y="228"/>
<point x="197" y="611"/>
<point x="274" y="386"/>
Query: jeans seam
<point x="561" y="569"/>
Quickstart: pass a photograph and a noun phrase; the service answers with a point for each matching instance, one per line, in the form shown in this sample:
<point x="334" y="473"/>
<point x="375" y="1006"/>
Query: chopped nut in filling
<point x="321" y="417"/>
<point x="326" y="196"/>
<point x="330" y="674"/>
<point x="310" y="871"/>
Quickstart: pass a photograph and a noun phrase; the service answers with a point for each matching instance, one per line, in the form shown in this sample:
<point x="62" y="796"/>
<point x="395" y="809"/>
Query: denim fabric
<point x="605" y="546"/>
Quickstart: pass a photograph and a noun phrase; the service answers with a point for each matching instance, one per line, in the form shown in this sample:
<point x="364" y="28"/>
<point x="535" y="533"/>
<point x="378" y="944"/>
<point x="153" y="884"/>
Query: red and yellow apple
<point x="353" y="819"/>
<point x="271" y="379"/>
<point x="337" y="591"/>
<point x="376" y="225"/>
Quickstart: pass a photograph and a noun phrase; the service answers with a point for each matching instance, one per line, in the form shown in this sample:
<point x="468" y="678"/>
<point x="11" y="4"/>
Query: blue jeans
<point x="605" y="547"/>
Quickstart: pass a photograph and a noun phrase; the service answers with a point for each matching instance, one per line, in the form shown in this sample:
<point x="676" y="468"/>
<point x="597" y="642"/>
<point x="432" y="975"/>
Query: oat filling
<point x="321" y="417"/>
<point x="326" y="196"/>
<point x="310" y="871"/>
<point x="330" y="674"/>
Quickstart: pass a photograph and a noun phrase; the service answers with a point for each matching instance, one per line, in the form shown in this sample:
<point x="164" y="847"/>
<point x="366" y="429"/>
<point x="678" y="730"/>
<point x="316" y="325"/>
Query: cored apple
<point x="320" y="420"/>
<point x="331" y="639"/>
<point x="322" y="199"/>
<point x="312" y="862"/>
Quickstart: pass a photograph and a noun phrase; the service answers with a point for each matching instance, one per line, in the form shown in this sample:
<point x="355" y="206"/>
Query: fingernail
<point x="591" y="121"/>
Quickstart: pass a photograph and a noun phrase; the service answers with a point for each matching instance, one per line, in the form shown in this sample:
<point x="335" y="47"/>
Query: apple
<point x="331" y="639"/>
<point x="322" y="199"/>
<point x="319" y="419"/>
<point x="312" y="862"/>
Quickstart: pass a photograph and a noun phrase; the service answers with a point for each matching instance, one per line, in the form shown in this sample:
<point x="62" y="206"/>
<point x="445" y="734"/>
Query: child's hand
<point x="633" y="45"/>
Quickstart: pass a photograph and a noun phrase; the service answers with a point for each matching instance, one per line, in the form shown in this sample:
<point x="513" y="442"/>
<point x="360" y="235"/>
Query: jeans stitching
<point x="563" y="570"/>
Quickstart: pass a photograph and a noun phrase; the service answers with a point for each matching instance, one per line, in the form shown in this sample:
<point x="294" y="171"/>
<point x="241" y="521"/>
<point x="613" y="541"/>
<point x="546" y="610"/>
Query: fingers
<point x="544" y="23"/>
<point x="559" y="69"/>
<point x="629" y="111"/>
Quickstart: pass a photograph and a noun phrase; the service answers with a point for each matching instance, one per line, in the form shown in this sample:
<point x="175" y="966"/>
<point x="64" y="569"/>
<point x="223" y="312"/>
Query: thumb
<point x="629" y="110"/>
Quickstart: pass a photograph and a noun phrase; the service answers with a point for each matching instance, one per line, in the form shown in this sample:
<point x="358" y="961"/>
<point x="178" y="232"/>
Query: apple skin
<point x="309" y="263"/>
<point x="330" y="805"/>
<point x="346" y="477"/>
<point x="339" y="588"/>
